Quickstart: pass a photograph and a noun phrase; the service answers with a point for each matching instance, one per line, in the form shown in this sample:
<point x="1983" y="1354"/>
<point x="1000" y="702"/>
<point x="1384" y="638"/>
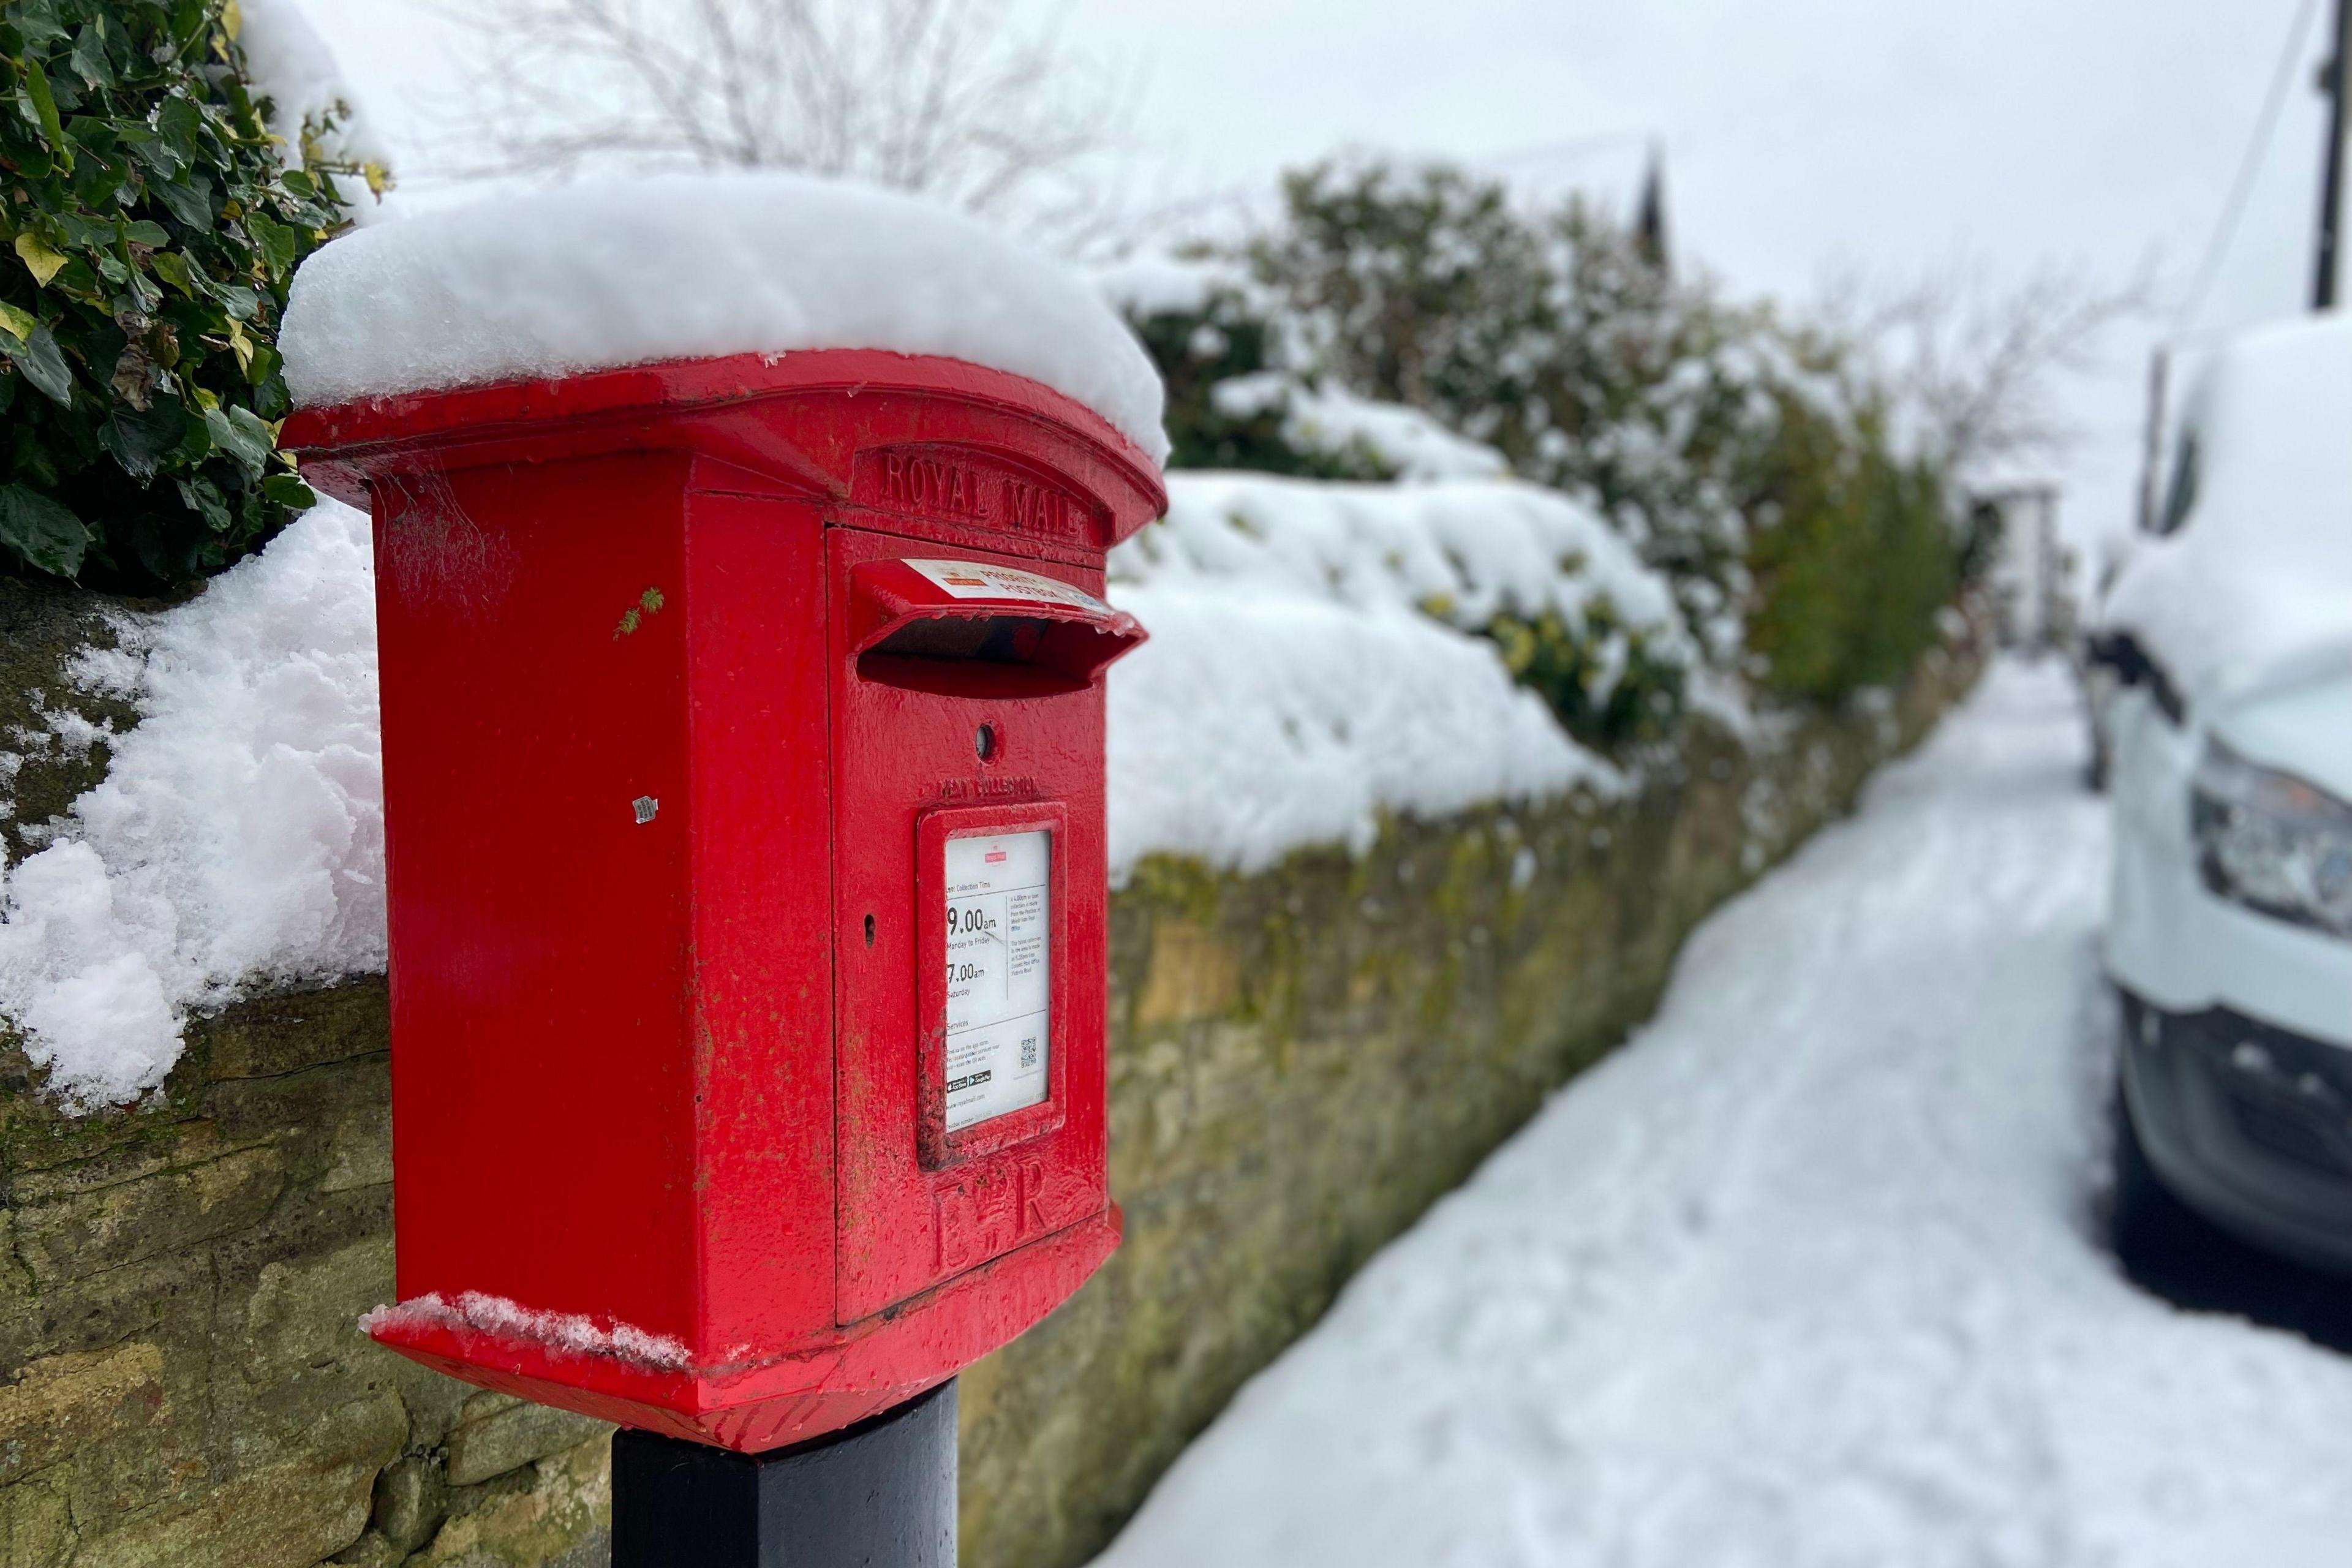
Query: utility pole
<point x="2151" y="449"/>
<point x="2331" y="190"/>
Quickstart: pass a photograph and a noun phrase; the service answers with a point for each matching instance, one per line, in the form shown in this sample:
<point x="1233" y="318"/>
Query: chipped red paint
<point x="666" y="1014"/>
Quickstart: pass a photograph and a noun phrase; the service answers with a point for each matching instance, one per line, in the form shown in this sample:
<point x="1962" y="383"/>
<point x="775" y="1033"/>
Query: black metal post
<point x="2331" y="187"/>
<point x="881" y="1494"/>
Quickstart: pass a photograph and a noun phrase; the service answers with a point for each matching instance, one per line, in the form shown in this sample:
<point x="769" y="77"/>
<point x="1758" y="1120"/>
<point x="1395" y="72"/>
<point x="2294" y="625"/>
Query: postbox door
<point x="970" y="884"/>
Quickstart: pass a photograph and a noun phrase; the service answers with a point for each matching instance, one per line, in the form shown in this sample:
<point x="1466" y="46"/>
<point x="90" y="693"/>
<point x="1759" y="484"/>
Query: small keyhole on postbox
<point x="869" y="931"/>
<point x="985" y="742"/>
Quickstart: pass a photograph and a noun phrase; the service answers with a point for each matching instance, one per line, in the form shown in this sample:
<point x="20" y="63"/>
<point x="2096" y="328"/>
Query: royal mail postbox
<point x="743" y="776"/>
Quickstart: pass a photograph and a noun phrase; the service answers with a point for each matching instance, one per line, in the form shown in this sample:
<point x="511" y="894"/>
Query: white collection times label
<point x="1000" y="974"/>
<point x="980" y="580"/>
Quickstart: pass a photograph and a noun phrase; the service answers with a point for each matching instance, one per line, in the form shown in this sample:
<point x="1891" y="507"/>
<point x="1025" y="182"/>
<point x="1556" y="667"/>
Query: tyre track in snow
<point x="1801" y="1276"/>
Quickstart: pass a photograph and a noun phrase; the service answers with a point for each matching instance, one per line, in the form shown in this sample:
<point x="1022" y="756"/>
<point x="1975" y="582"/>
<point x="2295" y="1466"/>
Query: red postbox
<point x="743" y="777"/>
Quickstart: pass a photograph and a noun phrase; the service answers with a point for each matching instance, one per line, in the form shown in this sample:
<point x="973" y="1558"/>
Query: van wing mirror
<point x="2121" y="652"/>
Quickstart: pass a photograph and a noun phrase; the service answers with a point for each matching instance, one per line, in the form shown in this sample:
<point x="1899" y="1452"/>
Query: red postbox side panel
<point x="533" y="658"/>
<point x="762" y="871"/>
<point x="919" y="1205"/>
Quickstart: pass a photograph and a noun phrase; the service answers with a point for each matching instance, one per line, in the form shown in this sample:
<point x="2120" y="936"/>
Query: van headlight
<point x="2270" y="841"/>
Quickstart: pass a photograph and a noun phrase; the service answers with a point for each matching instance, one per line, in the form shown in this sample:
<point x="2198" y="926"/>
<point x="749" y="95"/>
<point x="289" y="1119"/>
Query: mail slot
<point x="743" y="771"/>
<point x="965" y="625"/>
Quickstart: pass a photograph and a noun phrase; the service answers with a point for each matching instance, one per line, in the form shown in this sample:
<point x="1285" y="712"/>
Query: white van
<point x="2229" y="634"/>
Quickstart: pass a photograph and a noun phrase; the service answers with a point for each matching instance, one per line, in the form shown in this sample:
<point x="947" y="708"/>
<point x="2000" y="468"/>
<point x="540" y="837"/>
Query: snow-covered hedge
<point x="1235" y="399"/>
<point x="1323" y="653"/>
<point x="1334" y="422"/>
<point x="315" y="114"/>
<point x="1402" y="320"/>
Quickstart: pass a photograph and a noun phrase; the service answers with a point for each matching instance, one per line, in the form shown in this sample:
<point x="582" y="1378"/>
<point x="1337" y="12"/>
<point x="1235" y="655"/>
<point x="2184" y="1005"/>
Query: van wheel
<point x="2145" y="1222"/>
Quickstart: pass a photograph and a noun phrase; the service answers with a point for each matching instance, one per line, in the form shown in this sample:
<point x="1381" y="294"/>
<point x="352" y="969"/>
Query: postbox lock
<point x="985" y="742"/>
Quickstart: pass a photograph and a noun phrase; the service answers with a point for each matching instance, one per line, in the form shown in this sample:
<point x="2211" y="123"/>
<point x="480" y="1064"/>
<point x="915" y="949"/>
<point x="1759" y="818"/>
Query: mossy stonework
<point x="1301" y="1061"/>
<point x="53" y="731"/>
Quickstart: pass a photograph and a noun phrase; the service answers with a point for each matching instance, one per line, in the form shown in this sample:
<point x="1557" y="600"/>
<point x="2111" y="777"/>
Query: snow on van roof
<point x="2259" y="576"/>
<point x="602" y="275"/>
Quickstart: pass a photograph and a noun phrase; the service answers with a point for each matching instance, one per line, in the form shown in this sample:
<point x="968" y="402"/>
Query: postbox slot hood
<point x="975" y="629"/>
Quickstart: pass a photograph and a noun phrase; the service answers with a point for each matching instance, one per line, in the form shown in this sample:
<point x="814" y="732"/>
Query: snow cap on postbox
<point x="607" y="275"/>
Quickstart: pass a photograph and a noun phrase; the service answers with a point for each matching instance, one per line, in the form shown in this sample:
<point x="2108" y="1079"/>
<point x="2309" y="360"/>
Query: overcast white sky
<point x="1802" y="137"/>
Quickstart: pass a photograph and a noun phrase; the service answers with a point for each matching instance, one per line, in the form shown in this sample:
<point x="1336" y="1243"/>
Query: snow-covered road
<point x="1806" y="1275"/>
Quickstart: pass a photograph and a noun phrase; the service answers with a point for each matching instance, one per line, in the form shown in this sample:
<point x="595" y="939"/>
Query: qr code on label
<point x="1029" y="1052"/>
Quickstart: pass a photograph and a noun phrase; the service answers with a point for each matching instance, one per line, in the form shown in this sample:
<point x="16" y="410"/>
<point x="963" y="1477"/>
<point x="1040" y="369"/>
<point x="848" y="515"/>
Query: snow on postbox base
<point x="743" y="776"/>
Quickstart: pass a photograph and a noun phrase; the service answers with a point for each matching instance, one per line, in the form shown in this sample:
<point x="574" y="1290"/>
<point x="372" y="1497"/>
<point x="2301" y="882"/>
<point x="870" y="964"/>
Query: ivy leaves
<point x="151" y="227"/>
<point x="33" y="350"/>
<point x="41" y="532"/>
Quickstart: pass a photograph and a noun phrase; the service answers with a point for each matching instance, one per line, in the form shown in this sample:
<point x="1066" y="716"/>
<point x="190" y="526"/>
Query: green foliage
<point x="1850" y="576"/>
<point x="1417" y="286"/>
<point x="1228" y="340"/>
<point x="1747" y="463"/>
<point x="1607" y="685"/>
<point x="1553" y="336"/>
<point x="152" y="224"/>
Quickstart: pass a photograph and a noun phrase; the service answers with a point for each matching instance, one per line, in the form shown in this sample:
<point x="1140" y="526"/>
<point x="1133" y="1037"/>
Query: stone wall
<point x="1302" y="1061"/>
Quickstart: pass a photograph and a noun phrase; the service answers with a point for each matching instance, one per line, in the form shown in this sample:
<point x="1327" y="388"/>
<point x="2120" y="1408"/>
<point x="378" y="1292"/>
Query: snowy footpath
<point x="1807" y="1274"/>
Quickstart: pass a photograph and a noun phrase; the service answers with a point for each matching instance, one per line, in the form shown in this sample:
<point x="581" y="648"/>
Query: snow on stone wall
<point x="1306" y="673"/>
<point x="1480" y="546"/>
<point x="1292" y="692"/>
<point x="1255" y="721"/>
<point x="237" y="839"/>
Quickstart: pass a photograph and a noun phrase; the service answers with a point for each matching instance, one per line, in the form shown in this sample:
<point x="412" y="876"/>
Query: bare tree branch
<point x="948" y="98"/>
<point x="1975" y="364"/>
